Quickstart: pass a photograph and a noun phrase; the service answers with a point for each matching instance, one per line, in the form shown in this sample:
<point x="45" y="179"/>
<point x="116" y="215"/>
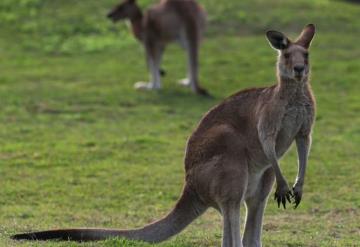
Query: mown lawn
<point x="80" y="147"/>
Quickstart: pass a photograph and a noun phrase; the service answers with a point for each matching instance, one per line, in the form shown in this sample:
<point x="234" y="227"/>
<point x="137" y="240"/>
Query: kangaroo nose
<point x="299" y="68"/>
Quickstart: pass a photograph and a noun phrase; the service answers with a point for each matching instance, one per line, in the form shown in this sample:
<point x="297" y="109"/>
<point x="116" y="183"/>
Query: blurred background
<point x="80" y="147"/>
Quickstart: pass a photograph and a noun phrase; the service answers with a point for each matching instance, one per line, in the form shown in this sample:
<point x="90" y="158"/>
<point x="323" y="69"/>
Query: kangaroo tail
<point x="187" y="209"/>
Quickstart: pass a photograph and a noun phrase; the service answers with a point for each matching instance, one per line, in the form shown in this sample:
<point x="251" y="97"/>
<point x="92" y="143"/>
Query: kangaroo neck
<point x="291" y="90"/>
<point x="137" y="25"/>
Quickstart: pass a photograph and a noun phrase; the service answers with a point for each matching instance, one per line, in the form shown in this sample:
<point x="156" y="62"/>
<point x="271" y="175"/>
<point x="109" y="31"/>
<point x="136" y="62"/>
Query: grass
<point x="80" y="147"/>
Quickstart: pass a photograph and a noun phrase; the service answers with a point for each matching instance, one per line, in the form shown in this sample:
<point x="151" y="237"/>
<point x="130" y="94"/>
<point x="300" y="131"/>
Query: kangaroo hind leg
<point x="229" y="188"/>
<point x="182" y="41"/>
<point x="154" y="53"/>
<point x="231" y="224"/>
<point x="192" y="47"/>
<point x="255" y="205"/>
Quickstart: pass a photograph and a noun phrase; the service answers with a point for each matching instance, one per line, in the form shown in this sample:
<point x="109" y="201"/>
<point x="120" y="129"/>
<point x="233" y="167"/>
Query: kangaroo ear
<point x="277" y="40"/>
<point x="306" y="36"/>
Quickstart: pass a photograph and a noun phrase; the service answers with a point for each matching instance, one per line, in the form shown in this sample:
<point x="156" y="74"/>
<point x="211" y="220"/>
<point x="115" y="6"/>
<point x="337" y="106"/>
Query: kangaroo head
<point x="127" y="9"/>
<point x="293" y="61"/>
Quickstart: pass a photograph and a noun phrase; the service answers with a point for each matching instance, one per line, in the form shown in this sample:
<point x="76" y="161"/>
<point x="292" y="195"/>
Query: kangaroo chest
<point x="292" y="121"/>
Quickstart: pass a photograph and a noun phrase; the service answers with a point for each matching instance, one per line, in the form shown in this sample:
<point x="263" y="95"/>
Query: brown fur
<point x="168" y="21"/>
<point x="232" y="156"/>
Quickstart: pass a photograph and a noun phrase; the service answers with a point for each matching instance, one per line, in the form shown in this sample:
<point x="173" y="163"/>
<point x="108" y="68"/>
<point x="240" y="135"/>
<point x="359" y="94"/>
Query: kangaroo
<point x="168" y="21"/>
<point x="232" y="156"/>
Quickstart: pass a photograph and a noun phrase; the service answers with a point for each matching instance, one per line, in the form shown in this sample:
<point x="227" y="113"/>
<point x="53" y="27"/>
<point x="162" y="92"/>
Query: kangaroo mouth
<point x="298" y="76"/>
<point x="112" y="17"/>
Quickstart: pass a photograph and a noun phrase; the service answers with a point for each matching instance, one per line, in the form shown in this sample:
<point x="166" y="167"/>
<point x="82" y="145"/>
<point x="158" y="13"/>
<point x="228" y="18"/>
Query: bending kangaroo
<point x="232" y="156"/>
<point x="170" y="20"/>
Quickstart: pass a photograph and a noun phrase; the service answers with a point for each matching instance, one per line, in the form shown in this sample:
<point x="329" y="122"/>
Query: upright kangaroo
<point x="232" y="156"/>
<point x="170" y="20"/>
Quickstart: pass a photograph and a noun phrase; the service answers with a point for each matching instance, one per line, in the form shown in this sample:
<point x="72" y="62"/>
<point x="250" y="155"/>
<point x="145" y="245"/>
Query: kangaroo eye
<point x="286" y="55"/>
<point x="306" y="55"/>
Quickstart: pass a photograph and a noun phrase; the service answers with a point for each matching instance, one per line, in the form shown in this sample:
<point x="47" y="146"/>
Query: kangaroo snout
<point x="299" y="69"/>
<point x="299" y="72"/>
<point x="111" y="16"/>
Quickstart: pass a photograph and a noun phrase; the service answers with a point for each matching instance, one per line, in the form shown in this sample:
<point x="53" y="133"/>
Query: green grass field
<point x="80" y="147"/>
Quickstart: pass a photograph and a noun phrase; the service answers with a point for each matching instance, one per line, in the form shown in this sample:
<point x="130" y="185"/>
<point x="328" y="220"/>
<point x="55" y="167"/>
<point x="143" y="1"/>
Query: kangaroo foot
<point x="184" y="82"/>
<point x="144" y="86"/>
<point x="202" y="91"/>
